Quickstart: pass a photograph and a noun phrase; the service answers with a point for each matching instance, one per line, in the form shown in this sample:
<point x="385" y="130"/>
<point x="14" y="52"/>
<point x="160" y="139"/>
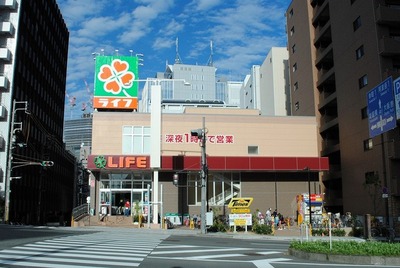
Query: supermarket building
<point x="271" y="159"/>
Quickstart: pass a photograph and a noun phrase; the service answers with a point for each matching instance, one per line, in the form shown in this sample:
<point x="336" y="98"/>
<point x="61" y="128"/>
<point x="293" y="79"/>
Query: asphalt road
<point x="15" y="235"/>
<point x="62" y="247"/>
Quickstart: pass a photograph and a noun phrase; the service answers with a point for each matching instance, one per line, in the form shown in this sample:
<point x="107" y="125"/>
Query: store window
<point x="221" y="188"/>
<point x="136" y="140"/>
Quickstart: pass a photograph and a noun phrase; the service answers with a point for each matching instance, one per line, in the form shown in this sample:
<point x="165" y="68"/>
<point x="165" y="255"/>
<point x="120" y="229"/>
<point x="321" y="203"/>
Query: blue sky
<point x="242" y="33"/>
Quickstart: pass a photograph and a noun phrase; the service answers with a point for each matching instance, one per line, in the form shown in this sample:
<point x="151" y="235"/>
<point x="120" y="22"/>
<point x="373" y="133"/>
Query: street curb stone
<point x="347" y="259"/>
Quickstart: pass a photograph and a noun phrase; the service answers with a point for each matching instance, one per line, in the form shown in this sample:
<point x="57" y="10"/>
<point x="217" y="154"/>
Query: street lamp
<point x="309" y="193"/>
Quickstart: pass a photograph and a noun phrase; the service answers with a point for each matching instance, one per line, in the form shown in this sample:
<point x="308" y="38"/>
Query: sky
<point x="241" y="31"/>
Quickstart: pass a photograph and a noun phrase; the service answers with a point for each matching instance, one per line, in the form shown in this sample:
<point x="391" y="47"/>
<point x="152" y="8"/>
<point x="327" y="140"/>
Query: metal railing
<point x="80" y="211"/>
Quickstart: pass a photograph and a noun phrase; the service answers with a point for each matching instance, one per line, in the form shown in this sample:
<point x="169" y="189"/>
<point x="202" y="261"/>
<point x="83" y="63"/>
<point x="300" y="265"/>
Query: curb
<point x="345" y="259"/>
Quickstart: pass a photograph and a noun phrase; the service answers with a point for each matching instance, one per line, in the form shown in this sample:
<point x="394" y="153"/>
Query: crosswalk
<point x="101" y="250"/>
<point x="259" y="258"/>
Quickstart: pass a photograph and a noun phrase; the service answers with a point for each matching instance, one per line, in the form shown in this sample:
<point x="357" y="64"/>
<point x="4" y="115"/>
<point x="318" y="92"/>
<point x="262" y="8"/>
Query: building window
<point x="296" y="86"/>
<point x="252" y="150"/>
<point x="292" y="31"/>
<point x="297" y="106"/>
<point x="291" y="13"/>
<point x="368" y="144"/>
<point x="363" y="81"/>
<point x="372" y="178"/>
<point x="360" y="52"/>
<point x="357" y="24"/>
<point x="294" y="67"/>
<point x="364" y="113"/>
<point x="136" y="140"/>
<point x="293" y="49"/>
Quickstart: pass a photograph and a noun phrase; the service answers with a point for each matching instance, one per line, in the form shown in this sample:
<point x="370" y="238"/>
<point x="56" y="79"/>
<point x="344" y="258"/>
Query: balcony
<point x="389" y="46"/>
<point x="327" y="99"/>
<point x="325" y="76"/>
<point x="321" y="14"/>
<point x="388" y="15"/>
<point x="328" y="122"/>
<point x="3" y="112"/>
<point x="5" y="54"/>
<point x="8" y="4"/>
<point x="6" y="28"/>
<point x="324" y="58"/>
<point x="3" y="83"/>
<point x="323" y="36"/>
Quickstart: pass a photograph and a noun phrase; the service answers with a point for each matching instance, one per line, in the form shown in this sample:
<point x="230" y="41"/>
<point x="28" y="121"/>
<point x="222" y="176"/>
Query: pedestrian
<point x="268" y="216"/>
<point x="127" y="208"/>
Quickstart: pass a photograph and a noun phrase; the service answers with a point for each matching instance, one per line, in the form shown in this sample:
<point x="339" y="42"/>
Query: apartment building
<point x="339" y="50"/>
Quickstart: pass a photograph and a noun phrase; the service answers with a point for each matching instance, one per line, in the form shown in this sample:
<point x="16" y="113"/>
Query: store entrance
<point x="119" y="198"/>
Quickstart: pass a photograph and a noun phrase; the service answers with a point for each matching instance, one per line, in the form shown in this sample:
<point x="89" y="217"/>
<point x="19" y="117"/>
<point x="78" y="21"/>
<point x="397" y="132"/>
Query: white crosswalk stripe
<point x="103" y="249"/>
<point x="224" y="254"/>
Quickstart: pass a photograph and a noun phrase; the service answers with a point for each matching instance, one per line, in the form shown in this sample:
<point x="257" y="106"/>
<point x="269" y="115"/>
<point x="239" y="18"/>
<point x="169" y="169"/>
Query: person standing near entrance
<point x="127" y="208"/>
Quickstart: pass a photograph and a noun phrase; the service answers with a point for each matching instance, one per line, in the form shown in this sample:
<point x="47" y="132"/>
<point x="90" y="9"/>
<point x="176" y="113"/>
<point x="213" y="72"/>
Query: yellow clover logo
<point x="116" y="76"/>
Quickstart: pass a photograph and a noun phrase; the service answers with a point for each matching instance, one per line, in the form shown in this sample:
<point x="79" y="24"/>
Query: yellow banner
<point x="240" y="210"/>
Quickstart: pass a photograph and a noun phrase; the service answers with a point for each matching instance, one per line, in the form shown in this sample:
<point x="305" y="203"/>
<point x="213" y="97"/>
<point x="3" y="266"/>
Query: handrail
<point x="79" y="211"/>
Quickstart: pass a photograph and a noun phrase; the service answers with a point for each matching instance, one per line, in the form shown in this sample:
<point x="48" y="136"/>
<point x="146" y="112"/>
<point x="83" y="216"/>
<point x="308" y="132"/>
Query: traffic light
<point x="47" y="163"/>
<point x="175" y="179"/>
<point x="197" y="133"/>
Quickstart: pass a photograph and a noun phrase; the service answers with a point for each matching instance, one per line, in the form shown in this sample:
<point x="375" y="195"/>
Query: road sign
<point x="381" y="109"/>
<point x="396" y="85"/>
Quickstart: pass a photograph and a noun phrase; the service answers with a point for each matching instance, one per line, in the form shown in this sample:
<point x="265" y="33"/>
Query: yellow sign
<point x="240" y="210"/>
<point x="241" y="202"/>
<point x="240" y="222"/>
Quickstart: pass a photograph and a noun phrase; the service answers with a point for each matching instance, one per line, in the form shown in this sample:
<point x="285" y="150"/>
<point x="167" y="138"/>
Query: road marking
<point x="216" y="256"/>
<point x="196" y="250"/>
<point x="266" y="263"/>
<point x="269" y="252"/>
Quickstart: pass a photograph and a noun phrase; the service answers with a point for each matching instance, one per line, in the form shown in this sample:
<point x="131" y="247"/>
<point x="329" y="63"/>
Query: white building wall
<point x="274" y="83"/>
<point x="234" y="92"/>
<point x="12" y="14"/>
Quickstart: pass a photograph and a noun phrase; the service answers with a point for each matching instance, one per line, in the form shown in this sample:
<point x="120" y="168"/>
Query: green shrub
<point x="338" y="232"/>
<point x="325" y="232"/>
<point x="262" y="229"/>
<point x="349" y="248"/>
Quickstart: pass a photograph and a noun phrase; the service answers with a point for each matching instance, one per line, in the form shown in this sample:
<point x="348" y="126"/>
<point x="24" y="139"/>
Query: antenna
<point x="177" y="57"/>
<point x="210" y="60"/>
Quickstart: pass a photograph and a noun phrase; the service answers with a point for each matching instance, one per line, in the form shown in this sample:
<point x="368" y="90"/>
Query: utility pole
<point x="201" y="134"/>
<point x="203" y="179"/>
<point x="11" y="143"/>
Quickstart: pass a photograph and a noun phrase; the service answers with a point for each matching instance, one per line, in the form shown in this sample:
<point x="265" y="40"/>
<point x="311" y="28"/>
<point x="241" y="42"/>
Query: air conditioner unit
<point x="6" y="28"/>
<point x="3" y="83"/>
<point x="9" y="4"/>
<point x="2" y="111"/>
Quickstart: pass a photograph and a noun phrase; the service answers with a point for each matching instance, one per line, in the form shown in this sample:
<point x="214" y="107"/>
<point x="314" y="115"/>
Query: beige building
<point x="338" y="51"/>
<point x="271" y="159"/>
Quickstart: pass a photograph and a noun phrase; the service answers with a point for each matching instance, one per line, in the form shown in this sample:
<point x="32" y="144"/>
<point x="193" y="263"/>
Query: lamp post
<point x="309" y="193"/>
<point x="11" y="141"/>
